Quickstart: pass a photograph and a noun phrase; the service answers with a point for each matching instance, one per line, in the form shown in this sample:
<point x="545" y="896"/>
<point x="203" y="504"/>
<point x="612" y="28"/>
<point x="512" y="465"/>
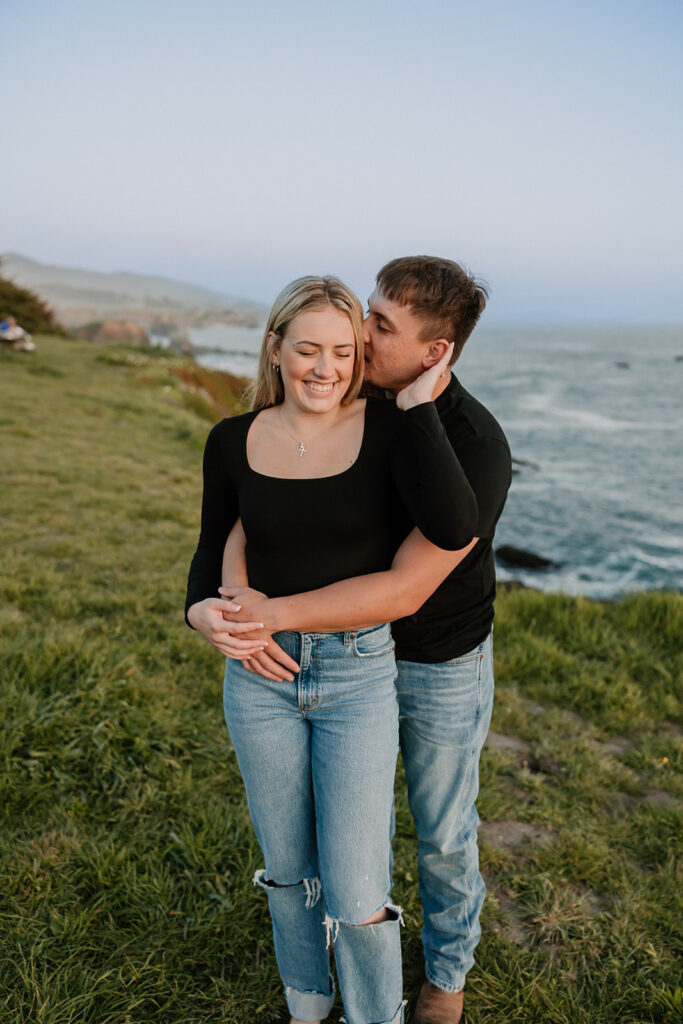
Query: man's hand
<point x="423" y="387"/>
<point x="253" y="606"/>
<point x="274" y="663"/>
<point x="207" y="617"/>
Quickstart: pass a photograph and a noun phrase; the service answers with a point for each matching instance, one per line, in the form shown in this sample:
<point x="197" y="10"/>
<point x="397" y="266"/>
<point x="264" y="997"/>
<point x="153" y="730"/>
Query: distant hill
<point x="79" y="296"/>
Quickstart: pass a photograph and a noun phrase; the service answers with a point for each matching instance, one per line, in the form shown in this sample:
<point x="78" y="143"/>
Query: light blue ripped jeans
<point x="318" y="758"/>
<point x="445" y="711"/>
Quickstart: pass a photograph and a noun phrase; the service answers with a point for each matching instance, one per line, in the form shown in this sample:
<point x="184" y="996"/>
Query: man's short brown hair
<point x="447" y="299"/>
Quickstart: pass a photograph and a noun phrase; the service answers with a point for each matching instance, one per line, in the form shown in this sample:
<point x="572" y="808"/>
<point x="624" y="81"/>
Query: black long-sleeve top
<point x="304" y="534"/>
<point x="459" y="614"/>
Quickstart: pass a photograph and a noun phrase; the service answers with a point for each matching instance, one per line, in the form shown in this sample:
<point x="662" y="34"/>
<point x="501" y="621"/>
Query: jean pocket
<point x="472" y="656"/>
<point x="371" y="643"/>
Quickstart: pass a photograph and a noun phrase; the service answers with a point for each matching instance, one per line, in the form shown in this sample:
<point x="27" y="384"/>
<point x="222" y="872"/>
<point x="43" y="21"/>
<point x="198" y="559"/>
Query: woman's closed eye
<point x="337" y="355"/>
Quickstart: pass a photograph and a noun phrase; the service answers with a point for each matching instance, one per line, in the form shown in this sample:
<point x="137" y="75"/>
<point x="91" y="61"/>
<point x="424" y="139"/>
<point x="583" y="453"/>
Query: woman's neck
<point x="304" y="421"/>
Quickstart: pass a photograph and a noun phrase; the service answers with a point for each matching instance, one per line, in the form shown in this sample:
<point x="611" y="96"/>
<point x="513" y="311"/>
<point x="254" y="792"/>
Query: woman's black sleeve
<point x="220" y="509"/>
<point x="431" y="480"/>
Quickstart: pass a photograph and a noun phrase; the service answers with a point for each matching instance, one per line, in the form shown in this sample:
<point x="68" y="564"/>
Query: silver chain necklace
<point x="301" y="445"/>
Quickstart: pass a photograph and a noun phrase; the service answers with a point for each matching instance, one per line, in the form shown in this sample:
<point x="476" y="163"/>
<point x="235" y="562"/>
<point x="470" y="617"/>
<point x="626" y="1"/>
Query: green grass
<point x="126" y="849"/>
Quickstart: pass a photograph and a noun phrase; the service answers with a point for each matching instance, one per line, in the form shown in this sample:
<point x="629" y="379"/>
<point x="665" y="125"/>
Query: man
<point x="443" y="641"/>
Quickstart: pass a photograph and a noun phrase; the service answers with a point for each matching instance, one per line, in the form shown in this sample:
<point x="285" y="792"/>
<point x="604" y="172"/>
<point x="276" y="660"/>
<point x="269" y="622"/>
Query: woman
<point x="327" y="485"/>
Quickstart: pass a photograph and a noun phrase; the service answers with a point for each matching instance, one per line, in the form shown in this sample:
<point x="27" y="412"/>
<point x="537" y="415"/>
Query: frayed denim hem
<point x="444" y="985"/>
<point x="398" y="1017"/>
<point x="308" y="1005"/>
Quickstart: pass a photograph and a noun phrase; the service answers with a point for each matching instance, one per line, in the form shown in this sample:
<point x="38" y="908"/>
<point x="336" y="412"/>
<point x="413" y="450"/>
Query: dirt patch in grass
<point x="509" y="921"/>
<point x="617" y="745"/>
<point x="514" y="835"/>
<point x="659" y="798"/>
<point x="513" y="744"/>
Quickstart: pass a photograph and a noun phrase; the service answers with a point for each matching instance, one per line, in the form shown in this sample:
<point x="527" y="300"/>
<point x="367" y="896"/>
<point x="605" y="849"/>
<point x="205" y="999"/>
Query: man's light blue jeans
<point x="318" y="758"/>
<point x="445" y="711"/>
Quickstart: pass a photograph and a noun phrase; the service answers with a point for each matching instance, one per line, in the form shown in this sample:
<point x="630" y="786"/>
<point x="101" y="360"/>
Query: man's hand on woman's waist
<point x="229" y="637"/>
<point x="248" y="605"/>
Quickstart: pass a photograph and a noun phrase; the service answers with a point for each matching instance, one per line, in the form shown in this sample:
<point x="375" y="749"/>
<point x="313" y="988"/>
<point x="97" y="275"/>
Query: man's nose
<point x="366" y="331"/>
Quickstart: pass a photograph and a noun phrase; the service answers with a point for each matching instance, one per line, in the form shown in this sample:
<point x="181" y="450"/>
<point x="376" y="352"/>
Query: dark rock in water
<point x="622" y="364"/>
<point x="524" y="559"/>
<point x="678" y="359"/>
<point x="518" y="464"/>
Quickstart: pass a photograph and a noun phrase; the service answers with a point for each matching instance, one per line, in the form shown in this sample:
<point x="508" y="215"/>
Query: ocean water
<point x="594" y="417"/>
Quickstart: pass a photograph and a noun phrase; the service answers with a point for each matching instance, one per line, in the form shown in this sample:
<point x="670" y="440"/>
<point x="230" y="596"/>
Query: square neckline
<point x="307" y="479"/>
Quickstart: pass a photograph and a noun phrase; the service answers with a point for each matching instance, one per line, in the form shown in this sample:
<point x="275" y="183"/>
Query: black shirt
<point x="304" y="534"/>
<point x="458" y="616"/>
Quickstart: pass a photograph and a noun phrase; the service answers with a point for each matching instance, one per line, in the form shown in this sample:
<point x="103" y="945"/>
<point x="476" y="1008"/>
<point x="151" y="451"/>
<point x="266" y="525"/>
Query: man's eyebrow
<point x="381" y="316"/>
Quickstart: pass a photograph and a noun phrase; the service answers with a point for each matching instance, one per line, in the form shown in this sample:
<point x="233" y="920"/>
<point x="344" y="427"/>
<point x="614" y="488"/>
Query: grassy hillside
<point x="125" y="849"/>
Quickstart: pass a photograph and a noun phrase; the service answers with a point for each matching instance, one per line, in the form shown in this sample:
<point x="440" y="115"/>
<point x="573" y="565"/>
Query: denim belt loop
<point x="306" y="647"/>
<point x="349" y="637"/>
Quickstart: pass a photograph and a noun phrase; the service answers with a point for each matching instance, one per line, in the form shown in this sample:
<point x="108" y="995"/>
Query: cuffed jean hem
<point x="398" y="1017"/>
<point x="446" y="986"/>
<point x="309" y="1006"/>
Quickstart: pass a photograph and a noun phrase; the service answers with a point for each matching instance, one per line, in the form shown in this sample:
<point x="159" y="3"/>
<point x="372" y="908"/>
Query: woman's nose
<point x="323" y="366"/>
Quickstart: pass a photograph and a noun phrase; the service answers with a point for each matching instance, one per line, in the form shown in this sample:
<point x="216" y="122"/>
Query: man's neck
<point x="442" y="384"/>
<point x="439" y="387"/>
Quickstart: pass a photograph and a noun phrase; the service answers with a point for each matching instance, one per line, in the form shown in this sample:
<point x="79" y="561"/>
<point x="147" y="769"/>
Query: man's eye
<point x="380" y="327"/>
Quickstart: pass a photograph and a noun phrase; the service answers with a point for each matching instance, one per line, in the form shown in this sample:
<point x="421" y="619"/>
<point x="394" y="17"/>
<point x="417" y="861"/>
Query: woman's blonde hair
<point x="304" y="295"/>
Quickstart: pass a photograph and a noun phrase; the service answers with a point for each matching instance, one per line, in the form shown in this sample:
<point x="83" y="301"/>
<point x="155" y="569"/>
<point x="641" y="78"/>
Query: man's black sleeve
<point x="432" y="483"/>
<point x="488" y="467"/>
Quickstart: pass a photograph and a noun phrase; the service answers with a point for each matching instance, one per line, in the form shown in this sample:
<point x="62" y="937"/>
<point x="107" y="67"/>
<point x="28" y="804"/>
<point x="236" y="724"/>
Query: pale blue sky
<point x="240" y="146"/>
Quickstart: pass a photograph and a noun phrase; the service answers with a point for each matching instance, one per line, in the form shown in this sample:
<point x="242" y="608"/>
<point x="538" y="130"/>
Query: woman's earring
<point x="276" y="367"/>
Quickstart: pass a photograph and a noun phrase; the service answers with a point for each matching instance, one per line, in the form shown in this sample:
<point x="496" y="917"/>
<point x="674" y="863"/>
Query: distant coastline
<point x="166" y="309"/>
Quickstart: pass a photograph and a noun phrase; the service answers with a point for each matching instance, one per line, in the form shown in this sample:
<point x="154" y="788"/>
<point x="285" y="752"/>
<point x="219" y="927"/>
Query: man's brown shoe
<point x="434" y="1006"/>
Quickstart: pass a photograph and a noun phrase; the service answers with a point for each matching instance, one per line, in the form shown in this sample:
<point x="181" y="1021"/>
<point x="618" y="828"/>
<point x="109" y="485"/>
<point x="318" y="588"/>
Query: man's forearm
<point x="234" y="571"/>
<point x="418" y="569"/>
<point x="355" y="603"/>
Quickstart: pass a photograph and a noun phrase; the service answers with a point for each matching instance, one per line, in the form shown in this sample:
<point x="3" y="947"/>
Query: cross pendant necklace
<point x="301" y="445"/>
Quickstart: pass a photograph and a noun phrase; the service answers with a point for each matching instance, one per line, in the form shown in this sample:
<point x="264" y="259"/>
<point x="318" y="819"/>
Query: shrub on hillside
<point x="28" y="309"/>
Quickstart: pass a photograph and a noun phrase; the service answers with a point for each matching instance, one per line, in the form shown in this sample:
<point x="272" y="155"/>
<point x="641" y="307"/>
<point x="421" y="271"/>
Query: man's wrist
<point x="275" y="616"/>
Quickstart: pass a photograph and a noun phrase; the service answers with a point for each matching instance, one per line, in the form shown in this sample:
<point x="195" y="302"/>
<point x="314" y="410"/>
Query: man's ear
<point x="433" y="352"/>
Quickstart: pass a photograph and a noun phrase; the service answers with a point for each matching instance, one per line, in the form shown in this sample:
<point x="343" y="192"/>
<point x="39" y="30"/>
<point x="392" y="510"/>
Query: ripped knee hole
<point x="311" y="886"/>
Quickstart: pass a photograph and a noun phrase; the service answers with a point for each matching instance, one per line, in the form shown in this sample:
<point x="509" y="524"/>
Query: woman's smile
<point x="319" y="386"/>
